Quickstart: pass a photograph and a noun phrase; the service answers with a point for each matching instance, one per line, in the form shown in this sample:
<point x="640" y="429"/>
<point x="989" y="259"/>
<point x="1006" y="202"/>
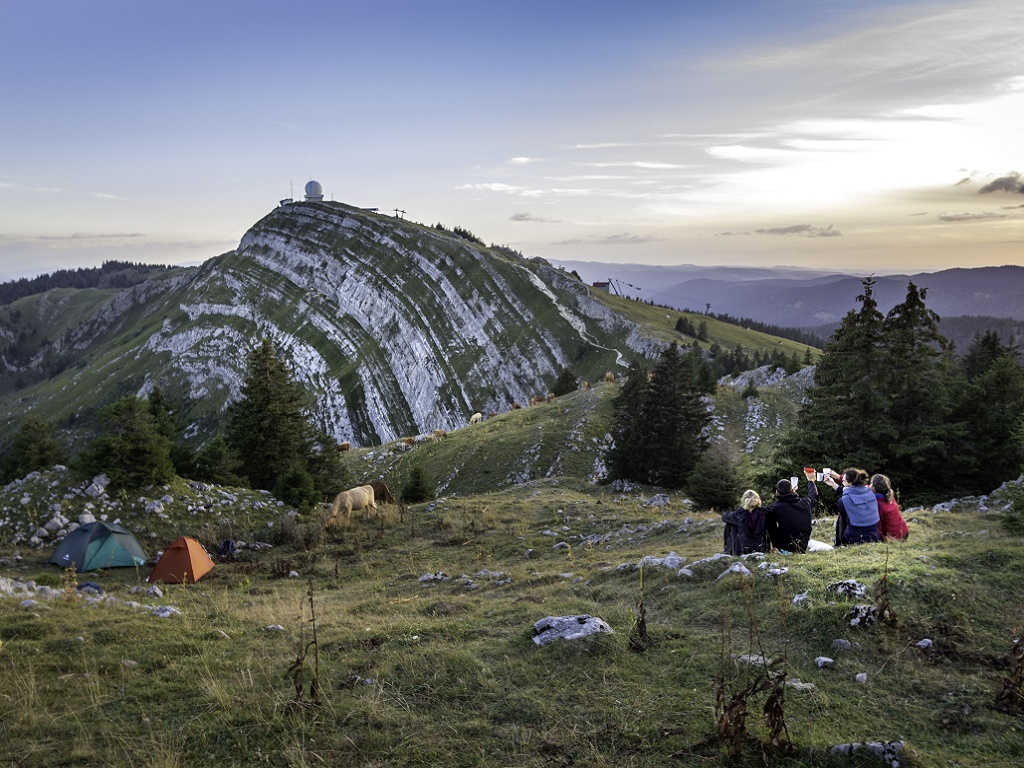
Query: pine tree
<point x="565" y="383"/>
<point x="268" y="427"/>
<point x="627" y="457"/>
<point x="130" y="450"/>
<point x="917" y="392"/>
<point x="164" y="412"/>
<point x="718" y="477"/>
<point x="34" y="448"/>
<point x="417" y="488"/>
<point x="844" y="421"/>
<point x="216" y="462"/>
<point x="675" y="419"/>
<point x="991" y="409"/>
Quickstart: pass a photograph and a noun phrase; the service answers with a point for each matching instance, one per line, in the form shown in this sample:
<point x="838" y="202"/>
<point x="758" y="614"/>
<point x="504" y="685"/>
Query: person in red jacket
<point x="890" y="522"/>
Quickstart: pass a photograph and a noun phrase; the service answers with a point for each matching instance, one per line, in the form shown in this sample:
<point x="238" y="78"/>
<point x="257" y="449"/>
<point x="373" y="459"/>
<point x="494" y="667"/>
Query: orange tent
<point x="185" y="561"/>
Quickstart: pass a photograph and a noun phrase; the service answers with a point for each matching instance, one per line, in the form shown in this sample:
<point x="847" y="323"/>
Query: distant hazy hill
<point x="789" y="297"/>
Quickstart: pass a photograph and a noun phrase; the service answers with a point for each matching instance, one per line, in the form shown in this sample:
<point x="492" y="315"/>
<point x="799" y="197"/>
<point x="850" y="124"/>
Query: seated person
<point x="858" y="507"/>
<point x="744" y="527"/>
<point x="788" y="519"/>
<point x="891" y="524"/>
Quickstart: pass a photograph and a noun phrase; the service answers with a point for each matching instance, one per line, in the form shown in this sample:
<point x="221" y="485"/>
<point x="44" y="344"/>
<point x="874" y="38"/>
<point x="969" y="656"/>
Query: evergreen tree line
<point x="890" y="396"/>
<point x="660" y="420"/>
<point x="113" y="274"/>
<point x="268" y="442"/>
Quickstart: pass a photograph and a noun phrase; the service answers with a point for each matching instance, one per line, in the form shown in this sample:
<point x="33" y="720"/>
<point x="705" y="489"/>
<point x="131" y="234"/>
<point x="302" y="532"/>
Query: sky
<point x="871" y="136"/>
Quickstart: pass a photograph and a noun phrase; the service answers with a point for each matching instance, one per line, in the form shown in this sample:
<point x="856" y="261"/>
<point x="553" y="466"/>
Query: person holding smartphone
<point x="788" y="519"/>
<point x="857" y="506"/>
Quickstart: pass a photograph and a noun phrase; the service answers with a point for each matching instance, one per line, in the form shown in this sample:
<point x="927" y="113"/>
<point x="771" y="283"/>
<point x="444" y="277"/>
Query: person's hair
<point x="783" y="487"/>
<point x="881" y="484"/>
<point x="750" y="500"/>
<point x="855" y="476"/>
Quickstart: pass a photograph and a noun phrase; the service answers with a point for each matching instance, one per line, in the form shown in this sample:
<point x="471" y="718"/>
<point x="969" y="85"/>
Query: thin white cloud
<point x="971" y="216"/>
<point x="107" y="196"/>
<point x="801" y="230"/>
<point x="624" y="238"/>
<point x="522" y="160"/>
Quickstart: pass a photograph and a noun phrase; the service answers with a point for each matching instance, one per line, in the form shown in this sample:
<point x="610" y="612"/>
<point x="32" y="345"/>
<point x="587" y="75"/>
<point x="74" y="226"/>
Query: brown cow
<point x="550" y="397"/>
<point x="516" y="406"/>
<point x="342" y="447"/>
<point x="610" y="377"/>
<point x="438" y="434"/>
<point x="381" y="492"/>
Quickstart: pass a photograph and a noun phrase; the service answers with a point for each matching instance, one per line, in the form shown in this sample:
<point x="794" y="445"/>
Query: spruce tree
<point x="844" y="421"/>
<point x="675" y="419"/>
<point x="268" y="427"/>
<point x="627" y="457"/>
<point x="130" y="450"/>
<point x="565" y="383"/>
<point x="216" y="462"/>
<point x="990" y="409"/>
<point x="917" y="393"/>
<point x="34" y="448"/>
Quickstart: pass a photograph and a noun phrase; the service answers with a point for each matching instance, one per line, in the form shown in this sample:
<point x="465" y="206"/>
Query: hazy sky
<point x="876" y="135"/>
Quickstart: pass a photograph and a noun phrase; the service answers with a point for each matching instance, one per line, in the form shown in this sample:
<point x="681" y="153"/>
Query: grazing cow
<point x="476" y="418"/>
<point x="342" y="447"/>
<point x="516" y="406"/>
<point x="550" y="396"/>
<point x="408" y="440"/>
<point x="584" y="384"/>
<point x="610" y="377"/>
<point x="381" y="492"/>
<point x="438" y="434"/>
<point x="536" y="400"/>
<point x="357" y="498"/>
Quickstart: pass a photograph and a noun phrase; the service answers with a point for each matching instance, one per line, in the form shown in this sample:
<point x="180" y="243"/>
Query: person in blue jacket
<point x="858" y="508"/>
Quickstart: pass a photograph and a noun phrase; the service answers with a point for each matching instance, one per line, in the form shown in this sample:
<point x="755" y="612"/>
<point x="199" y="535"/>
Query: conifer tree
<point x="216" y="462"/>
<point x="130" y="449"/>
<point x="268" y="427"/>
<point x="675" y="419"/>
<point x="917" y="393"/>
<point x="844" y="421"/>
<point x="33" y="448"/>
<point x="565" y="383"/>
<point x="627" y="457"/>
<point x="990" y="409"/>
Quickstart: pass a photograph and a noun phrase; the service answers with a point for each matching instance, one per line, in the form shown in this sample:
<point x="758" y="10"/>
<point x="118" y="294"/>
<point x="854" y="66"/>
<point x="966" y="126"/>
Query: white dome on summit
<point x="314" y="191"/>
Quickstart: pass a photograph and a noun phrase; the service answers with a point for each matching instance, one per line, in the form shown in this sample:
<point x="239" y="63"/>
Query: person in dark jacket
<point x="858" y="507"/>
<point x="788" y="519"/>
<point x="744" y="527"/>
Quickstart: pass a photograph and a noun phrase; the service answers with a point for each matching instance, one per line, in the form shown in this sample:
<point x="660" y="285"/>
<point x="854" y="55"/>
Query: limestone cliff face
<point x="395" y="328"/>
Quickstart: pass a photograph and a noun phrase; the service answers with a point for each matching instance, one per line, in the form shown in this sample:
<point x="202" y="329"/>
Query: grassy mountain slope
<point x="443" y="671"/>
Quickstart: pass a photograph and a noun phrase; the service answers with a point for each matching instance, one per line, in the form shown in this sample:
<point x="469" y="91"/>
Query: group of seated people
<point x="867" y="512"/>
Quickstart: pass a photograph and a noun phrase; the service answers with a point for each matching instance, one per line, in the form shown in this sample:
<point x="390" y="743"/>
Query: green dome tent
<point x="99" y="545"/>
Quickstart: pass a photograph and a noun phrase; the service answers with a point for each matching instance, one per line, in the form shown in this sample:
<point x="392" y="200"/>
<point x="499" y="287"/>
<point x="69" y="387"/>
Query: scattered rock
<point x="848" y="588"/>
<point x="739" y="568"/>
<point x="890" y="752"/>
<point x="824" y="662"/>
<point x="552" y="628"/>
<point x="439" y="576"/>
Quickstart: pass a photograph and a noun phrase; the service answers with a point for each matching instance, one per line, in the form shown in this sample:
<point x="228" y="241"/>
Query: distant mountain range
<point x="798" y="298"/>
